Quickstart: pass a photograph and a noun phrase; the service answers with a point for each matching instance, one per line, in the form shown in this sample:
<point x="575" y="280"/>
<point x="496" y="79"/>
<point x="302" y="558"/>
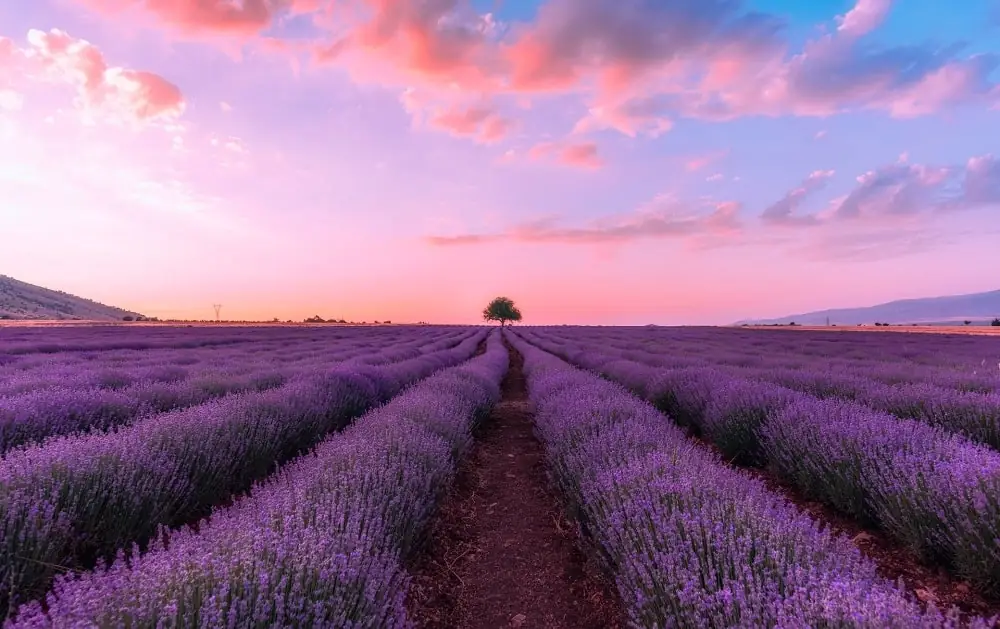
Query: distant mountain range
<point x="20" y="300"/>
<point x="977" y="307"/>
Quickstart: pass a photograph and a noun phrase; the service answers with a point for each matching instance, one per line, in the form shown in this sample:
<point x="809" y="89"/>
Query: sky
<point x="616" y="162"/>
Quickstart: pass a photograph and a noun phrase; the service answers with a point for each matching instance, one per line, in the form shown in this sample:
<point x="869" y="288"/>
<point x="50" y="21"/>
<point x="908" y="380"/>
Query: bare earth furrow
<point x="501" y="553"/>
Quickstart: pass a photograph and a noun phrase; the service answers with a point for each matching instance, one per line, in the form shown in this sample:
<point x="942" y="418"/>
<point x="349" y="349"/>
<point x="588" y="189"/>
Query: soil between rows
<point x="501" y="553"/>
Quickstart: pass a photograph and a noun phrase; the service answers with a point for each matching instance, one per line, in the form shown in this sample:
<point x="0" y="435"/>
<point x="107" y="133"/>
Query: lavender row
<point x="766" y="358"/>
<point x="935" y="491"/>
<point x="113" y="370"/>
<point x="265" y="345"/>
<point x="54" y="411"/>
<point x="974" y="415"/>
<point x="689" y="541"/>
<point x="319" y="544"/>
<point x="937" y="359"/>
<point x="57" y="411"/>
<point x="74" y="499"/>
<point x="51" y="340"/>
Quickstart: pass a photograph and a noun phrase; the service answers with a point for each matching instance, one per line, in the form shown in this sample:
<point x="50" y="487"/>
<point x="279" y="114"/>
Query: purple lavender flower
<point x="106" y="490"/>
<point x="320" y="543"/>
<point x="692" y="542"/>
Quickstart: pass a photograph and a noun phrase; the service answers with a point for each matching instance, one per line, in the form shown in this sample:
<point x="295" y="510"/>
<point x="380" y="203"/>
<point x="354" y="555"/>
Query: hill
<point x="977" y="307"/>
<point x="20" y="300"/>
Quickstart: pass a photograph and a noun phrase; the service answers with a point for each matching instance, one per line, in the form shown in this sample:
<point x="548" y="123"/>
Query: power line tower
<point x="218" y="309"/>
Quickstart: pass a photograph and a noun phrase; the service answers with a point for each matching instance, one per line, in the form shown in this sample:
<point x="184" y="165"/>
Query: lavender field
<point x="647" y="428"/>
<point x="112" y="440"/>
<point x="299" y="476"/>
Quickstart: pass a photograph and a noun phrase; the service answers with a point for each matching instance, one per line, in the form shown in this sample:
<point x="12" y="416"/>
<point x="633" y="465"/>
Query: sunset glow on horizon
<point x="615" y="162"/>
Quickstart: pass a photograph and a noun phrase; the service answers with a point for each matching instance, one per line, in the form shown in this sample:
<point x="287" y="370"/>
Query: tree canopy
<point x="502" y="309"/>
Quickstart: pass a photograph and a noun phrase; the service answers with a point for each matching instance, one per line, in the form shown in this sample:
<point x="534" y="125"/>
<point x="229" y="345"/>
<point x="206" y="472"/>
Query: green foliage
<point x="502" y="309"/>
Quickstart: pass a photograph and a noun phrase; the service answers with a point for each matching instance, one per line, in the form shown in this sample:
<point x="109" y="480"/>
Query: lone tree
<point x="502" y="309"/>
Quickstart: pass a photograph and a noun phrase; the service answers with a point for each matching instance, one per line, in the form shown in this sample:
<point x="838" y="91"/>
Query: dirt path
<point x="501" y="554"/>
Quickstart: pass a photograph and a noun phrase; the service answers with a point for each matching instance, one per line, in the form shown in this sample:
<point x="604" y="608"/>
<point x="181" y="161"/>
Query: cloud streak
<point x="901" y="190"/>
<point x="663" y="218"/>
<point x="196" y="17"/>
<point x="882" y="199"/>
<point x="894" y="193"/>
<point x="584" y="155"/>
<point x="784" y="211"/>
<point x="480" y="122"/>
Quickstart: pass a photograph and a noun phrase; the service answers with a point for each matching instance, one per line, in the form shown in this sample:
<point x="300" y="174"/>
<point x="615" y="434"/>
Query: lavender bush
<point x="66" y="400"/>
<point x="931" y="488"/>
<point x="103" y="491"/>
<point x="937" y="492"/>
<point x="689" y="541"/>
<point x="319" y="544"/>
<point x="735" y="412"/>
<point x="975" y="415"/>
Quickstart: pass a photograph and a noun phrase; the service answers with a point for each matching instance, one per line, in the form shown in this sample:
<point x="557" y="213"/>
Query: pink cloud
<point x="726" y="65"/>
<point x="57" y="57"/>
<point x="698" y="162"/>
<point x="632" y="118"/>
<point x="894" y="193"/>
<point x="641" y="66"/>
<point x="465" y="239"/>
<point x="621" y="42"/>
<point x="8" y="50"/>
<point x="583" y="155"/>
<point x="428" y="38"/>
<point x="664" y="217"/>
<point x="864" y="17"/>
<point x="949" y="85"/>
<point x="578" y="155"/>
<point x="899" y="189"/>
<point x="201" y="16"/>
<point x="479" y="122"/>
<point x="444" y="44"/>
<point x="981" y="184"/>
<point x="541" y="150"/>
<point x="783" y="212"/>
<point x="883" y="207"/>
